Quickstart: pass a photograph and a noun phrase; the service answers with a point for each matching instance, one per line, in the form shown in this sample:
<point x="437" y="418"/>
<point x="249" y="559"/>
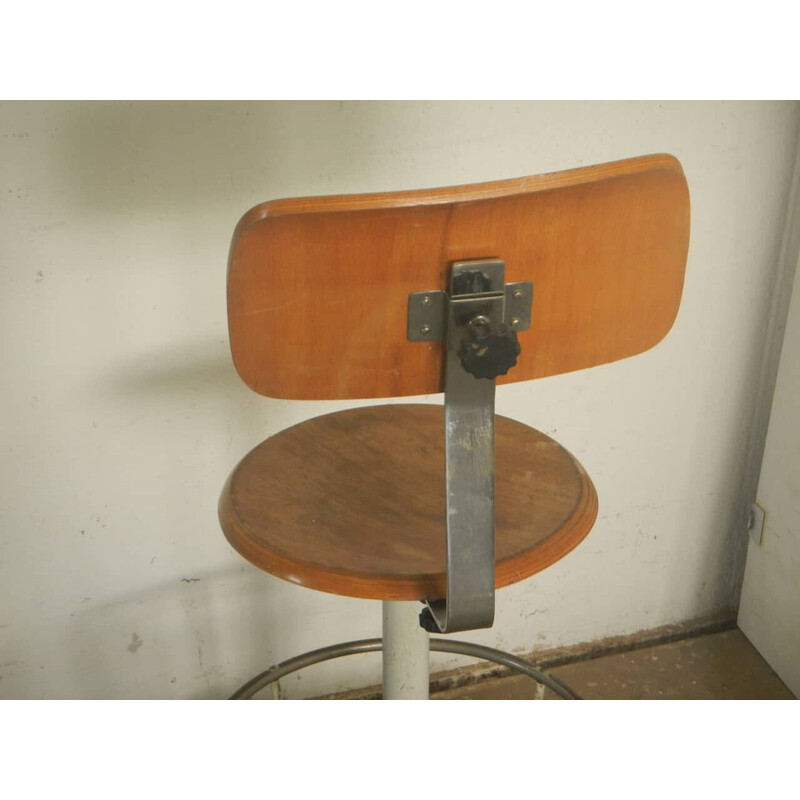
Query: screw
<point x="426" y="301"/>
<point x="514" y="322"/>
<point x="425" y="330"/>
<point x="480" y="326"/>
<point x="516" y="294"/>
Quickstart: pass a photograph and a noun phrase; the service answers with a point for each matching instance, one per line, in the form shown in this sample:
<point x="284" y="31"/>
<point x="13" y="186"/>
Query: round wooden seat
<point x="353" y="503"/>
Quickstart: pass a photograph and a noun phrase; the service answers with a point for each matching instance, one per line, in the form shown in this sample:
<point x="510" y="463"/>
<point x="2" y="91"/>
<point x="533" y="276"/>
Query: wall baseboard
<point x="557" y="657"/>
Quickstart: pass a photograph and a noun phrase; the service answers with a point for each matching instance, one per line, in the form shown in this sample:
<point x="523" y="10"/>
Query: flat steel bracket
<point x="427" y="311"/>
<point x="477" y="319"/>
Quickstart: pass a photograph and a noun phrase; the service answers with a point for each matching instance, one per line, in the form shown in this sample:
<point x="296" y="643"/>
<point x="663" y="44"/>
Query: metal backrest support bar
<point x="478" y="319"/>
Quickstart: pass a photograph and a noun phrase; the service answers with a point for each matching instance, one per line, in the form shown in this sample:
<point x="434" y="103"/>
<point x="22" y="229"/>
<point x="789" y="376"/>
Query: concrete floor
<point x="718" y="666"/>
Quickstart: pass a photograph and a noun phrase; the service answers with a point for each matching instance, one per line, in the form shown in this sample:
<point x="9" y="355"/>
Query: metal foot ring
<point x="277" y="672"/>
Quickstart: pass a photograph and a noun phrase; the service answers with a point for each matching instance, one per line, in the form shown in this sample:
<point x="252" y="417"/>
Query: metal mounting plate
<point x="426" y="316"/>
<point x="427" y="312"/>
<point x="519" y="302"/>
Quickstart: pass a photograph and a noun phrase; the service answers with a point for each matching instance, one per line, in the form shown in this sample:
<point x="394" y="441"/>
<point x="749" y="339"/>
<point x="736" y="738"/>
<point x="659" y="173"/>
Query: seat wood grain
<point x="353" y="503"/>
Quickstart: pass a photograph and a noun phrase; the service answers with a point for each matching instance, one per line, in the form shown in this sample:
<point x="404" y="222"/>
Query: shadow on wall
<point x="187" y="171"/>
<point x="198" y="637"/>
<point x="188" y="631"/>
<point x="181" y="173"/>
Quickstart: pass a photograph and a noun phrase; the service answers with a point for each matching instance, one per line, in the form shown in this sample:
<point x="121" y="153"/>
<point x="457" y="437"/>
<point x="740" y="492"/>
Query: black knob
<point x="487" y="353"/>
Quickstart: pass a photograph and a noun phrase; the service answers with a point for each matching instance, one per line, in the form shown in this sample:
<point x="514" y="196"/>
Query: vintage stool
<point x="414" y="293"/>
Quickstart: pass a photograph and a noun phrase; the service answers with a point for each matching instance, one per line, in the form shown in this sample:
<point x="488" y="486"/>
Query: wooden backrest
<point x="318" y="287"/>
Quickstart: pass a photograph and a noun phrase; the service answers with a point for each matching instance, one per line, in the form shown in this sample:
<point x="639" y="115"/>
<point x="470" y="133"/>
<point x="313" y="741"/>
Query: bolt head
<point x="480" y="326"/>
<point x="425" y="330"/>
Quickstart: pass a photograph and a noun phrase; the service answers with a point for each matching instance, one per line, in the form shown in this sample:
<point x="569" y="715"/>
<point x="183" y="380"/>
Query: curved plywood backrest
<point x="318" y="287"/>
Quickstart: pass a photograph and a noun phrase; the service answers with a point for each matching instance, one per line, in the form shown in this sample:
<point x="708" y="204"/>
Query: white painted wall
<point x="123" y="414"/>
